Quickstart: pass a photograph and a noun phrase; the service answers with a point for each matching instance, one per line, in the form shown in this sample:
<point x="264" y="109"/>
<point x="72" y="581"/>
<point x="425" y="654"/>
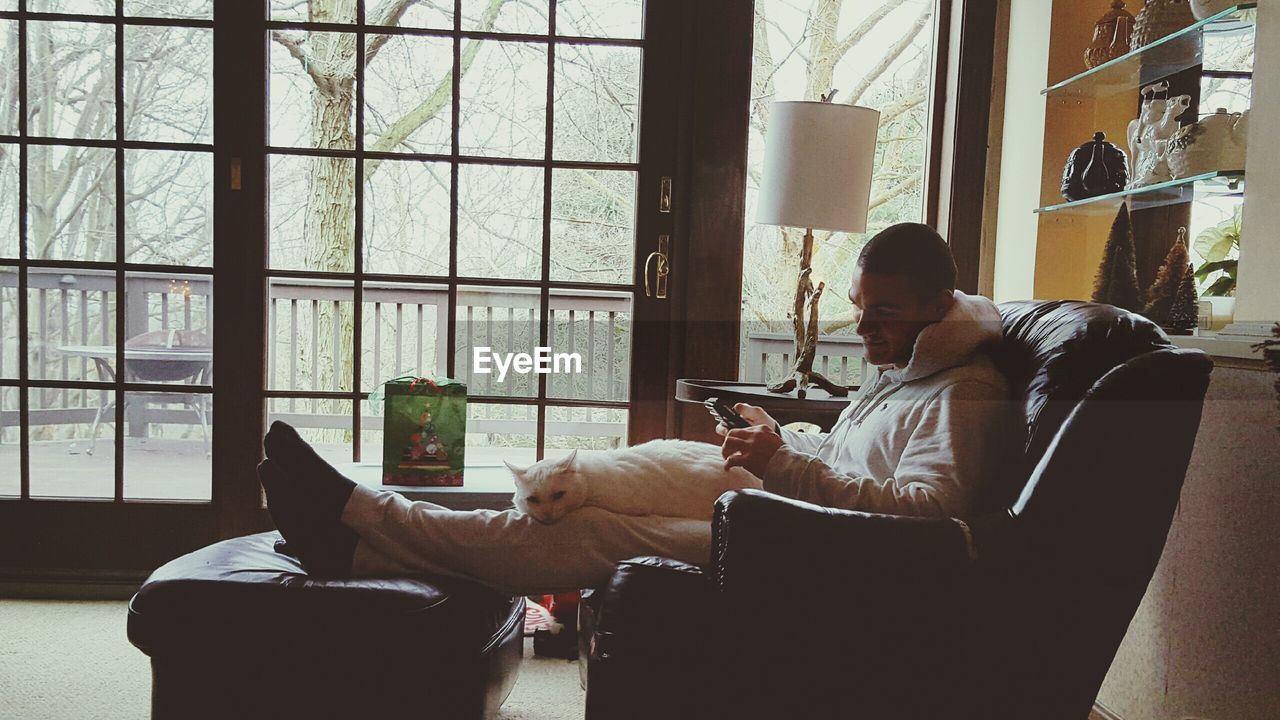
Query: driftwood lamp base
<point x="802" y="374"/>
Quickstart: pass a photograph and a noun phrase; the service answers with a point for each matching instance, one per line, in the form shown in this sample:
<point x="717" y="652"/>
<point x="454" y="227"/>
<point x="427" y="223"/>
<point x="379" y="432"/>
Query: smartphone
<point x="724" y="413"/>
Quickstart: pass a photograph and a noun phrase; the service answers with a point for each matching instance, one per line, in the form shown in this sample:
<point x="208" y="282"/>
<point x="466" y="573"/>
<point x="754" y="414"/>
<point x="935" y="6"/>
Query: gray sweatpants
<point x="507" y="550"/>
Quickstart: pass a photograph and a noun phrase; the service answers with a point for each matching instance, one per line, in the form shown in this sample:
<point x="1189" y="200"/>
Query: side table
<point x="818" y="407"/>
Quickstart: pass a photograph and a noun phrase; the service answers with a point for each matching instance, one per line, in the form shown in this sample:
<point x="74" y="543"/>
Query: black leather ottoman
<point x="238" y="630"/>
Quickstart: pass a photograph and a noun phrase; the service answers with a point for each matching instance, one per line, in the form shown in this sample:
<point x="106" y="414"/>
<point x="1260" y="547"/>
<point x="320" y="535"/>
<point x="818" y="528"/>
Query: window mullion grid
<point x="357" y="320"/>
<point x="451" y="315"/>
<point x="544" y="325"/>
<point x="24" y="409"/>
<point x="121" y="302"/>
<point x="456" y="32"/>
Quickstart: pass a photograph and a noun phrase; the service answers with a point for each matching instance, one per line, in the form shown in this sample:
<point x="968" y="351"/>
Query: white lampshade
<point x="817" y="166"/>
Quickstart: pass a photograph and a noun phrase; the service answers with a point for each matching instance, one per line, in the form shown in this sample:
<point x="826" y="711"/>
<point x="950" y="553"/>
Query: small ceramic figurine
<point x="1149" y="135"/>
<point x="1095" y="168"/>
<point x="1110" y="36"/>
<point x="1217" y="142"/>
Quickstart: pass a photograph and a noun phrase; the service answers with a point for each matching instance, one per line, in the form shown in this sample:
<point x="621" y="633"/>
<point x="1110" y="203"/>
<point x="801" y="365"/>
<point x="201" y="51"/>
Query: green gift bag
<point x="424" y="433"/>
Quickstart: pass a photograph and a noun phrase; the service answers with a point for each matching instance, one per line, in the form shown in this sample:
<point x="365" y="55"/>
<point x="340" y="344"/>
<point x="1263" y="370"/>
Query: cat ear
<point x="516" y="472"/>
<point x="569" y="459"/>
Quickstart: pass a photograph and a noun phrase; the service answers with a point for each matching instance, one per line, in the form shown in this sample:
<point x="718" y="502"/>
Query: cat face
<point x="548" y="490"/>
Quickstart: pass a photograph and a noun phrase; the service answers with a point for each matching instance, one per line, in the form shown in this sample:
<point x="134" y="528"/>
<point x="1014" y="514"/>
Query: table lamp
<point x="817" y="175"/>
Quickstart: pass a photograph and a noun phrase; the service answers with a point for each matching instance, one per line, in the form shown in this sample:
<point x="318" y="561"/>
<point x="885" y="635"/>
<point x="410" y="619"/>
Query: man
<point x="925" y="434"/>
<point x="921" y="438"/>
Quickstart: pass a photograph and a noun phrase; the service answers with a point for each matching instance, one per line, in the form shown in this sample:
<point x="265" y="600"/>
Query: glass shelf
<point x="1223" y="183"/>
<point x="1170" y="54"/>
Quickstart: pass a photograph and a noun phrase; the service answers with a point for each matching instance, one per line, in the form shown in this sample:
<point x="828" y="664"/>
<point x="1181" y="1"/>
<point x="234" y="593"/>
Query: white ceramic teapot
<point x="1208" y="8"/>
<point x="1216" y="142"/>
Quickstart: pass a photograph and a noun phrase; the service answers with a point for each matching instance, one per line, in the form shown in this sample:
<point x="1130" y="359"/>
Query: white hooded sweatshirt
<point x="926" y="440"/>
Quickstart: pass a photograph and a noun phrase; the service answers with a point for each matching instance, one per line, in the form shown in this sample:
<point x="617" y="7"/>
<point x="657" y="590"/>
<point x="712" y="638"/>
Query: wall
<point x="1205" y="642"/>
<point x="1020" y="168"/>
<point x="1257" y="297"/>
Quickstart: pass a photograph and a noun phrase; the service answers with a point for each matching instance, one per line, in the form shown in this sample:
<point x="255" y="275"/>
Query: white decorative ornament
<point x="1149" y="135"/>
<point x="1217" y="142"/>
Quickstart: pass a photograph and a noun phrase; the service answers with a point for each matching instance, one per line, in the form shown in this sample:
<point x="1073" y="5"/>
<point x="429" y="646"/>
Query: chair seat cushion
<point x="242" y="593"/>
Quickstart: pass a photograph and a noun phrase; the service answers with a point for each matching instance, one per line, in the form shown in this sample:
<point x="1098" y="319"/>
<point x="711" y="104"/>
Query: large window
<point x="1214" y="227"/>
<point x="443" y="177"/>
<point x="876" y="54"/>
<point x="106" y="249"/>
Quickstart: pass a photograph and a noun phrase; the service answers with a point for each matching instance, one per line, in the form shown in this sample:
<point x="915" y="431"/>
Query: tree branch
<point x="864" y="28"/>
<point x="893" y="192"/>
<point x="891" y="55"/>
<point x="299" y="53"/>
<point x="391" y="16"/>
<point x="429" y="107"/>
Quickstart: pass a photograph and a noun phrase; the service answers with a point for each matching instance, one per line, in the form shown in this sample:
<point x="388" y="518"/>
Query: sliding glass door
<point x="376" y="189"/>
<point x="106" y="259"/>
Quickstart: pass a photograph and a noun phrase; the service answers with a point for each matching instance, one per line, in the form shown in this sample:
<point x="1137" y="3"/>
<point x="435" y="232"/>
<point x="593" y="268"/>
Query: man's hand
<point x="750" y="448"/>
<point x="753" y="414"/>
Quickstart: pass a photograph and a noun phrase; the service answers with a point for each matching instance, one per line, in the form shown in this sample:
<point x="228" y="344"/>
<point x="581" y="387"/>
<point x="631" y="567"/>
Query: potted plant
<point x="1219" y="247"/>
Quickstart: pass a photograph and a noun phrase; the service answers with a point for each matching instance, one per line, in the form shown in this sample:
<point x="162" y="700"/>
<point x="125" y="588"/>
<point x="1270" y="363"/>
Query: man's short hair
<point x="914" y="250"/>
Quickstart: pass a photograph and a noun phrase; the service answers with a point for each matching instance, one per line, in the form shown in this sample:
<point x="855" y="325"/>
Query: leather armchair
<point x="814" y="612"/>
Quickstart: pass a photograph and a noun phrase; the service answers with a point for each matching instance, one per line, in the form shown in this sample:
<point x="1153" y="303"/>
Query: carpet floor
<point x="70" y="660"/>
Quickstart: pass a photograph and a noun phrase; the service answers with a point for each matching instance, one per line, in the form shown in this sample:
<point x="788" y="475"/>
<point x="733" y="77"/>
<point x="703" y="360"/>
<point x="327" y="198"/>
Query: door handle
<point x="663" y="269"/>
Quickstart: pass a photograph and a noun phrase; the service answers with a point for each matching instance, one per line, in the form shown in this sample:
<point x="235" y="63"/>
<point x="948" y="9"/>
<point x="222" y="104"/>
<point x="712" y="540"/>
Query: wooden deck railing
<point x="79" y="308"/>
<point x="769" y="355"/>
<point x="405" y="330"/>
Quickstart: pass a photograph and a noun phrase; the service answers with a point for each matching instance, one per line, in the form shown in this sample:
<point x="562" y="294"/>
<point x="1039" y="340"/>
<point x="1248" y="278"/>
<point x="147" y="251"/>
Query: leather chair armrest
<point x="653" y="639"/>
<point x="764" y="540"/>
<point x="648" y="598"/>
<point x="839" y="602"/>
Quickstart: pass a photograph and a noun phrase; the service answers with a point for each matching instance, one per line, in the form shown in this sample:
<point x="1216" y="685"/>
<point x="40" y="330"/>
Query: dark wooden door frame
<point x="707" y="266"/>
<point x="652" y="339"/>
<point x="241" y="185"/>
<point x="965" y="39"/>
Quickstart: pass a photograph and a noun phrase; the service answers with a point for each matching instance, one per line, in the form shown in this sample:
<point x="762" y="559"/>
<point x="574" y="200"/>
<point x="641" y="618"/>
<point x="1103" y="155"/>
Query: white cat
<point x="675" y="478"/>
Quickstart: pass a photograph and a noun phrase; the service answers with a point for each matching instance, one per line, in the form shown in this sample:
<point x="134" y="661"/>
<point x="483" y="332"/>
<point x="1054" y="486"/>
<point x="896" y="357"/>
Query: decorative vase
<point x="1208" y="8"/>
<point x="1159" y="18"/>
<point x="1110" y="36"/>
<point x="1216" y="142"/>
<point x="1095" y="168"/>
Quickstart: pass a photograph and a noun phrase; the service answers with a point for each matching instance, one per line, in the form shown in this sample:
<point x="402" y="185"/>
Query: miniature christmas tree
<point x="1117" y="280"/>
<point x="1184" y="311"/>
<point x="1162" y="292"/>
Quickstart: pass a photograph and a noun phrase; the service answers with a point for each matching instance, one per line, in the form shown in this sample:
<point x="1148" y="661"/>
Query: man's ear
<point x="942" y="302"/>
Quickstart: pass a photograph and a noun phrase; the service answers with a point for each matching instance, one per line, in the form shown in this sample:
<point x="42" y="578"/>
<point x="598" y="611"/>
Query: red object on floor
<point x="560" y="641"/>
<point x="564" y="608"/>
